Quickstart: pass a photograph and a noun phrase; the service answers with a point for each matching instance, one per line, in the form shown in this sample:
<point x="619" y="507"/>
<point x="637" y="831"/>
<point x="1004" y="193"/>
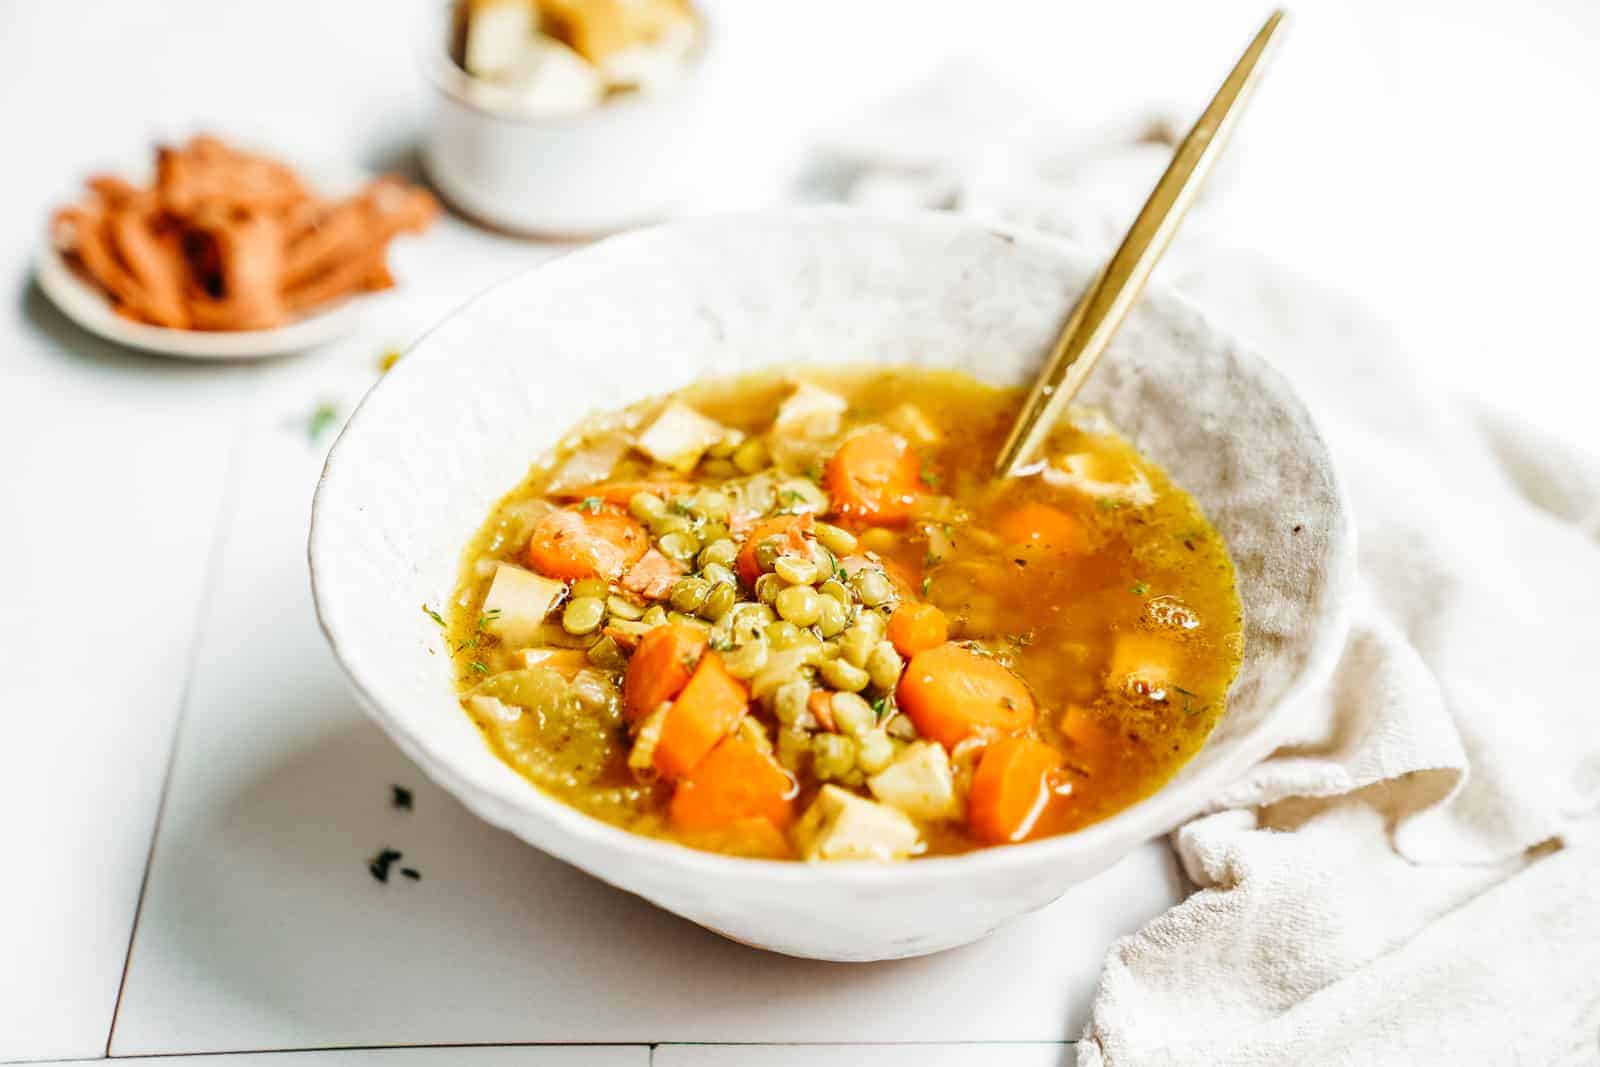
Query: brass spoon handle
<point x="1106" y="302"/>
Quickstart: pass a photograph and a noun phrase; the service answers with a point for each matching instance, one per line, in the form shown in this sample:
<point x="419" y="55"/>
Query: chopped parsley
<point x="930" y="474"/>
<point x="487" y="617"/>
<point x="926" y="584"/>
<point x="324" y="417"/>
<point x="401" y="797"/>
<point x="434" y="615"/>
<point x="379" y="865"/>
<point x="479" y="667"/>
<point x="591" y="504"/>
<point x="1139" y="588"/>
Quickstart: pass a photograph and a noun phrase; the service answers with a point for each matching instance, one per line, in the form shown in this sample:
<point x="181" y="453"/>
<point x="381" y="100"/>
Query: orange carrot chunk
<point x="1010" y="789"/>
<point x="1092" y="743"/>
<point x="1043" y="529"/>
<point x="792" y="526"/>
<point x="736" y="782"/>
<point x="661" y="666"/>
<point x="917" y="627"/>
<point x="873" y="477"/>
<point x="575" y="544"/>
<point x="951" y="693"/>
<point x="704" y="713"/>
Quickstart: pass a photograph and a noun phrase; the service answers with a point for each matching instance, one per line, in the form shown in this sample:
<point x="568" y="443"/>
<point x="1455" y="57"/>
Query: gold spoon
<point x="1103" y="306"/>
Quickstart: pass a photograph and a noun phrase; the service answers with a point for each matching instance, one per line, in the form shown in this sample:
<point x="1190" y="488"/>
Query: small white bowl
<point x="628" y="161"/>
<point x="458" y="421"/>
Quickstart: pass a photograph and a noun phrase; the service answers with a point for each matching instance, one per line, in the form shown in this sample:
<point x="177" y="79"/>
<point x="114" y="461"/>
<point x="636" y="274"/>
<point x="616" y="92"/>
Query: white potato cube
<point x="919" y="783"/>
<point x="913" y="423"/>
<point x="552" y="80"/>
<point x="842" y="826"/>
<point x="1142" y="660"/>
<point x="496" y="36"/>
<point x="490" y="708"/>
<point x="651" y="66"/>
<point x="679" y="437"/>
<point x="1099" y="476"/>
<point x="518" y="602"/>
<point x="810" y="411"/>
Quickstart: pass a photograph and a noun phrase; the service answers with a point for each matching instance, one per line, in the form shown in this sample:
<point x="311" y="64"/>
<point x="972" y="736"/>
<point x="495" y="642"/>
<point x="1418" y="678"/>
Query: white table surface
<point x="187" y="793"/>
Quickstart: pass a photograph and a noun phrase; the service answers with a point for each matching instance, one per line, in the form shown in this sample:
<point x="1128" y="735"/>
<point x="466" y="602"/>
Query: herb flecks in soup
<point x="793" y="617"/>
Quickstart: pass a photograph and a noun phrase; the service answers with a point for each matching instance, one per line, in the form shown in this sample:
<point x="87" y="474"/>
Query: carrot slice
<point x="1010" y="789"/>
<point x="660" y="667"/>
<point x="1043" y="529"/>
<point x="917" y="627"/>
<point x="621" y="493"/>
<point x="576" y="544"/>
<point x="951" y="693"/>
<point x="794" y="525"/>
<point x="873" y="477"/>
<point x="736" y="782"/>
<point x="704" y="713"/>
<point x="1092" y="743"/>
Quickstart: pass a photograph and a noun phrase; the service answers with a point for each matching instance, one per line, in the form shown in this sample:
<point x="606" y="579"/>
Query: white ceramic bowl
<point x="458" y="421"/>
<point x="627" y="161"/>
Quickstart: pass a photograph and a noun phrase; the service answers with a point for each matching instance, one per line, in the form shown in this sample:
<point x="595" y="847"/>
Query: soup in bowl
<point x="719" y="602"/>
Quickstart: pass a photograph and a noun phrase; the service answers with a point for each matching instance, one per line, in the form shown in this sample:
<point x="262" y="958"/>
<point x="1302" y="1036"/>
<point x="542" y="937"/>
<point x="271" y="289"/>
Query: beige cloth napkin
<point x="1416" y="877"/>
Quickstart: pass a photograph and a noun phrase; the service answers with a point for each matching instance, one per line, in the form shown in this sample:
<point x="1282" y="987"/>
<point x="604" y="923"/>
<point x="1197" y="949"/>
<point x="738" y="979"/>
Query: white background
<point x="202" y="889"/>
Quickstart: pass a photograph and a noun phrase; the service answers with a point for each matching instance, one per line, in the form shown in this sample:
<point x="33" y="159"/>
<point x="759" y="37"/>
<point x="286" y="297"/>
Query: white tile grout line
<point x="226" y="510"/>
<point x="651" y="1046"/>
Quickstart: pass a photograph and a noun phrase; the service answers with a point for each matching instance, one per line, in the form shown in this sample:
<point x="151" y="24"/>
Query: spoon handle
<point x="1105" y="303"/>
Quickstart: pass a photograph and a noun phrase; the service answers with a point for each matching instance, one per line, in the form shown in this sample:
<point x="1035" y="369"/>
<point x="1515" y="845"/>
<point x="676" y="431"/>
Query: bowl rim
<point x="1149" y="817"/>
<point x="447" y="78"/>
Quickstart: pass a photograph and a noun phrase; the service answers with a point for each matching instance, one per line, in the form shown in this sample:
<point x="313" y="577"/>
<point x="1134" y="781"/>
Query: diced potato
<point x="517" y="602"/>
<point x="566" y="662"/>
<point x="495" y="710"/>
<point x="653" y="65"/>
<point x="1143" y="660"/>
<point x="919" y="783"/>
<point x="1099" y="475"/>
<point x="912" y="422"/>
<point x="679" y="437"/>
<point x="552" y="80"/>
<point x="590" y="463"/>
<point x="497" y="33"/>
<point x="842" y="826"/>
<point x="810" y="411"/>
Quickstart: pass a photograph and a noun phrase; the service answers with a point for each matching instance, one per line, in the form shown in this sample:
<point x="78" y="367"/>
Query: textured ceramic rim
<point x="1150" y="817"/>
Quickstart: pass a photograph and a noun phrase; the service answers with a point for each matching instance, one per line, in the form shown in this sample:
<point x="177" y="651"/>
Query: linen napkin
<point x="1415" y="877"/>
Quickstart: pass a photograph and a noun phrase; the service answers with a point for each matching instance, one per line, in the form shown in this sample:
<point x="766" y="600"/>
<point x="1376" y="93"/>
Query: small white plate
<point x="85" y="304"/>
<point x="88" y="307"/>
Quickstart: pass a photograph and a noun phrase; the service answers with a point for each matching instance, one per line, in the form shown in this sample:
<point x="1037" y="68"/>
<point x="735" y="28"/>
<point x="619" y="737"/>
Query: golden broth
<point x="1127" y="642"/>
